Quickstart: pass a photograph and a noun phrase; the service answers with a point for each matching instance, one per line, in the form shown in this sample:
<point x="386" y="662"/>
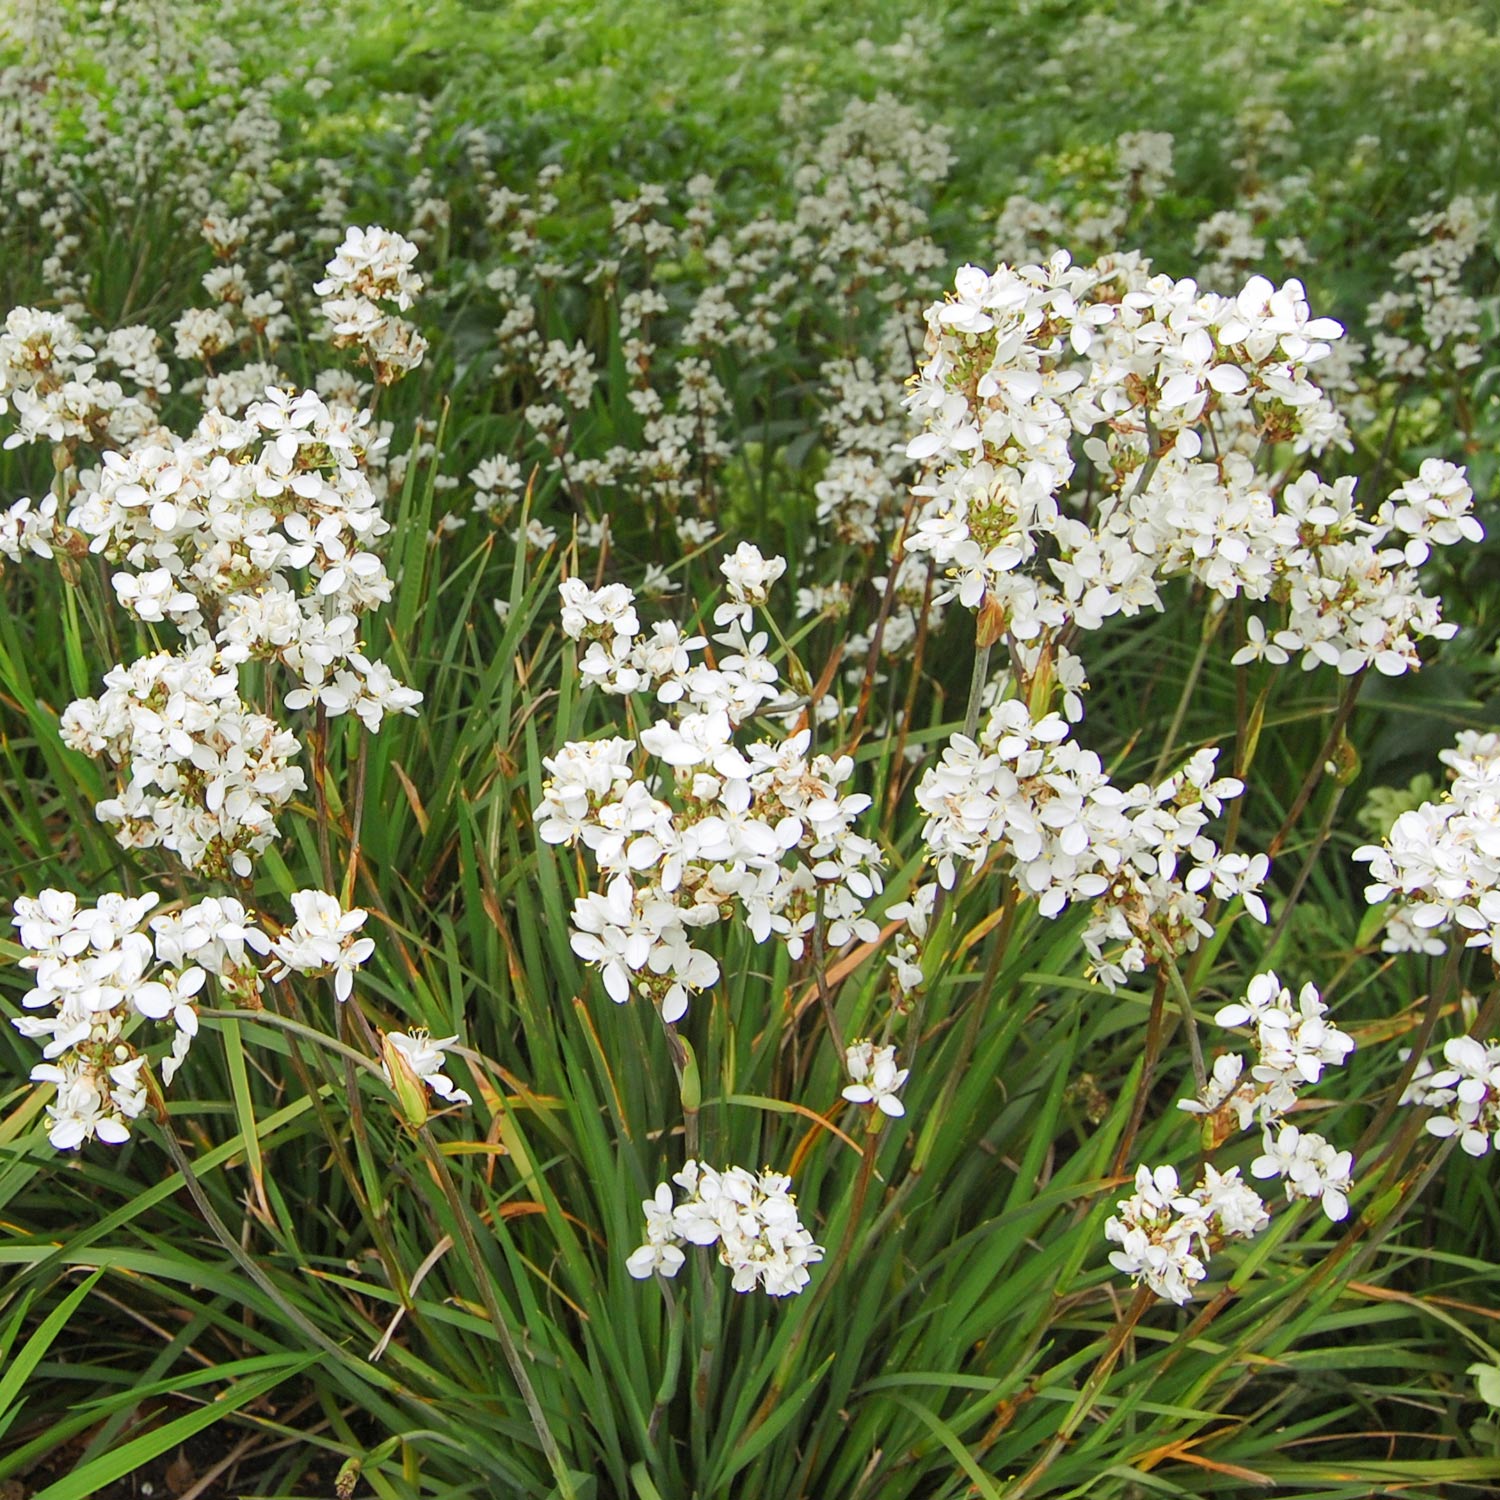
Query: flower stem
<point x="1154" y="1032"/>
<point x="1185" y="1005"/>
<point x="820" y="975"/>
<point x="241" y="1257"/>
<point x="1215" y="618"/>
<point x="1315" y="771"/>
<point x="977" y="681"/>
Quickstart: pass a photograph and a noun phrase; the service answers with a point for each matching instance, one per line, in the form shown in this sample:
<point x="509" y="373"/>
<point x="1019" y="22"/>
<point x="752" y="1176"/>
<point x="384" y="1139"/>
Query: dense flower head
<point x="1025" y="790"/>
<point x="374" y="263"/>
<point x="751" y="1217"/>
<point x="256" y="530"/>
<point x="1309" y="1167"/>
<point x="28" y="528"/>
<point x="323" y="940"/>
<point x="764" y="829"/>
<point x="1164" y="393"/>
<point x="875" y="1077"/>
<point x="97" y="967"/>
<point x="94" y="969"/>
<point x="1464" y="1094"/>
<point x="1440" y="863"/>
<point x="1294" y="1043"/>
<point x="372" y="268"/>
<point x="52" y="384"/>
<point x="201" y="773"/>
<point x="1166" y="1235"/>
<point x="1427" y="320"/>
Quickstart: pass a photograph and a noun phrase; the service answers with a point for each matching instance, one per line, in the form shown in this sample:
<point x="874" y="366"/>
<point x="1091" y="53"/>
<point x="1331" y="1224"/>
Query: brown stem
<point x="1320" y="839"/>
<point x="872" y="660"/>
<point x="820" y="976"/>
<point x="320" y="792"/>
<point x="1154" y="1030"/>
<point x="1315" y="771"/>
<point x="351" y="870"/>
<point x="1447" y="983"/>
<point x="1086" y="1397"/>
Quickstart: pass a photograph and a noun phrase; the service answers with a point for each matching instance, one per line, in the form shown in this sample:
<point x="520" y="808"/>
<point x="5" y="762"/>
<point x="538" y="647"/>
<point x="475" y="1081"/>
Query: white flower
<point x="1465" y="1095"/>
<point x="1310" y="1168"/>
<point x="322" y="940"/>
<point x="876" y="1077"/>
<point x="1162" y="1234"/>
<point x="424" y="1053"/>
<point x="751" y="1218"/>
<point x="749" y="576"/>
<point x="1259" y="646"/>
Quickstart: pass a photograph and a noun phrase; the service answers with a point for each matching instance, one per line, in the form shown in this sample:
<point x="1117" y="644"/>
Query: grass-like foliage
<point x="745" y="750"/>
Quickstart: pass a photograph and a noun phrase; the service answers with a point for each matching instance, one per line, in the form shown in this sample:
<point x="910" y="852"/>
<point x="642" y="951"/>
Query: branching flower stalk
<point x="1155" y="1036"/>
<point x="1189" y="1021"/>
<point x="1319" y="768"/>
<point x="1213" y="618"/>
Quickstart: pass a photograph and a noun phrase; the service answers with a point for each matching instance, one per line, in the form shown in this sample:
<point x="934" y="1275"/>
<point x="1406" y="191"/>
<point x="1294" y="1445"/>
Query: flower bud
<point x="410" y="1091"/>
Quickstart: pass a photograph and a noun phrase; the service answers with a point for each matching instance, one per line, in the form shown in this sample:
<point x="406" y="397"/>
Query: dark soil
<point x="222" y="1463"/>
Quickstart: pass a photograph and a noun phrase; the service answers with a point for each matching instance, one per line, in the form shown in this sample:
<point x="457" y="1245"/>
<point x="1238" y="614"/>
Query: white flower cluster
<point x="765" y="828"/>
<point x="211" y="534"/>
<point x="1441" y="861"/>
<point x="98" y="971"/>
<point x="256" y="533"/>
<point x="1429" y="319"/>
<point x="241" y="324"/>
<point x="50" y="379"/>
<point x="205" y="775"/>
<point x="1464" y="1095"/>
<point x="94" y="971"/>
<point x="370" y="269"/>
<point x="915" y="913"/>
<point x="861" y="494"/>
<point x="1294" y="1043"/>
<point x="1352" y="600"/>
<point x="876" y="1077"/>
<point x="254" y="537"/>
<point x="1030" y="793"/>
<point x="751" y="1218"/>
<point x="498" y="483"/>
<point x="28" y="528"/>
<point x="1309" y="1168"/>
<point x="323" y="940"/>
<point x="1167" y="393"/>
<point x="1165" y="1235"/>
